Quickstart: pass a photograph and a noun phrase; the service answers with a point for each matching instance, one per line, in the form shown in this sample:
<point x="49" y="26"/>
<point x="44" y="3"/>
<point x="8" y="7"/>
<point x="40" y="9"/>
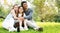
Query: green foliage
<point x="45" y="12"/>
<point x="58" y="3"/>
<point x="38" y="10"/>
<point x="42" y="11"/>
<point x="1" y="19"/>
<point x="3" y="12"/>
<point x="57" y="17"/>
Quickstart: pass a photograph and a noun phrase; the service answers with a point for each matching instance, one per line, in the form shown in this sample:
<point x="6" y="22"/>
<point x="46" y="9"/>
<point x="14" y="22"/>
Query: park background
<point x="46" y="14"/>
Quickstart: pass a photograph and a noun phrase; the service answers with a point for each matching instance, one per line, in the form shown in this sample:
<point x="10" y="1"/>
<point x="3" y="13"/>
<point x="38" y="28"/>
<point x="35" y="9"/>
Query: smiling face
<point x="20" y="9"/>
<point x="25" y="5"/>
<point x="16" y="7"/>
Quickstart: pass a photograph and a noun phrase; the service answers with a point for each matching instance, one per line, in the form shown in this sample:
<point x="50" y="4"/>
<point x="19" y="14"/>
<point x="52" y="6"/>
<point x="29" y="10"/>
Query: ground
<point x="48" y="27"/>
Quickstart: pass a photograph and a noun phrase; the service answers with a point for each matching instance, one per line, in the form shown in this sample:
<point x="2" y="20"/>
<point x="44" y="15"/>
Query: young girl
<point x="22" y="22"/>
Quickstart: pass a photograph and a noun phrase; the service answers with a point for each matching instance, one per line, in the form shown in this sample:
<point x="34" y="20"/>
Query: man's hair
<point x="23" y="3"/>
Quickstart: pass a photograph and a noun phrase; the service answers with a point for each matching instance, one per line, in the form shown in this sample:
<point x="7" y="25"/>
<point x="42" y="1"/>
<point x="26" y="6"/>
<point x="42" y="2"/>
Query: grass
<point x="48" y="27"/>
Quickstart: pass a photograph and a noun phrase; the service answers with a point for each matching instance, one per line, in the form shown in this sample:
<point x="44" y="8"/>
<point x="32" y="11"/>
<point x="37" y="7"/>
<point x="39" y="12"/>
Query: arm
<point x="14" y="15"/>
<point x="30" y="14"/>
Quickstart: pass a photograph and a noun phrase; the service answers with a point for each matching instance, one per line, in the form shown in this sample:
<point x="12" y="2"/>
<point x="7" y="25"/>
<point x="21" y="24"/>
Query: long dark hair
<point x="22" y="15"/>
<point x="22" y="12"/>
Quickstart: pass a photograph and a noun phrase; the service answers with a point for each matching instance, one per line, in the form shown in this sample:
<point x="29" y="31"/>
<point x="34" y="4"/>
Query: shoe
<point x="25" y="28"/>
<point x="21" y="29"/>
<point x="12" y="29"/>
<point x="40" y="29"/>
<point x="15" y="29"/>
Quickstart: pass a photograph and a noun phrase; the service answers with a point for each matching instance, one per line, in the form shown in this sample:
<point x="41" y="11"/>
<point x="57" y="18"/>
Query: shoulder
<point x="12" y="10"/>
<point x="30" y="9"/>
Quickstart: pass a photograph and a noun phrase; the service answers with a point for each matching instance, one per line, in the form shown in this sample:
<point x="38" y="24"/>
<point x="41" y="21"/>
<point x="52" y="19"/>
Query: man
<point x="29" y="14"/>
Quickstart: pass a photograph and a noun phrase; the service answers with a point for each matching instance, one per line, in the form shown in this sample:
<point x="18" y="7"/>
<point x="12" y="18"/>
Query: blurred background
<point x="44" y="10"/>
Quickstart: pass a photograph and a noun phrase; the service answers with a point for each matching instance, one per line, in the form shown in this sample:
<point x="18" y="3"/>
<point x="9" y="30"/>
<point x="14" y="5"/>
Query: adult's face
<point x="25" y="5"/>
<point x="16" y="7"/>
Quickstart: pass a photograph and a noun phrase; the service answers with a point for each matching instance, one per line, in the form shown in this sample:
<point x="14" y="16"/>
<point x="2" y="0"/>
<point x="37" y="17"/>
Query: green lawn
<point x="48" y="27"/>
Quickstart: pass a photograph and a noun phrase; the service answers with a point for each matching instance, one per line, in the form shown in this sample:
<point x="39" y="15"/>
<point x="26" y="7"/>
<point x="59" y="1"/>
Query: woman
<point x="13" y="17"/>
<point x="9" y="21"/>
<point x="22" y="22"/>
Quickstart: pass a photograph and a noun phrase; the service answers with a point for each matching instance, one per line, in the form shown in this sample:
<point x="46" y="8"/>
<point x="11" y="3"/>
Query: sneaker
<point x="15" y="29"/>
<point x="40" y="29"/>
<point x="21" y="29"/>
<point x="25" y="28"/>
<point x="12" y="29"/>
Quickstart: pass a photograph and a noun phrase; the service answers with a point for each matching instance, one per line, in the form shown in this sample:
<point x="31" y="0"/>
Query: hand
<point x="21" y="18"/>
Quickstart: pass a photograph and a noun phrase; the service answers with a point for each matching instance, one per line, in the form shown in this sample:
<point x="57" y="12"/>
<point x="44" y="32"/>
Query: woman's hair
<point x="15" y="11"/>
<point x="15" y="5"/>
<point x="23" y="3"/>
<point x="19" y="7"/>
<point x="22" y="12"/>
<point x="22" y="15"/>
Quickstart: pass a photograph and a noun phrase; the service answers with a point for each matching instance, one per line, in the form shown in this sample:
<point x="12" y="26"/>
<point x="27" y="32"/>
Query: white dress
<point x="8" y="22"/>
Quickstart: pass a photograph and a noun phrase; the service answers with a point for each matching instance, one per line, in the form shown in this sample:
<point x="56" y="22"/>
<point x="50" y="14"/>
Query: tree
<point x="45" y="10"/>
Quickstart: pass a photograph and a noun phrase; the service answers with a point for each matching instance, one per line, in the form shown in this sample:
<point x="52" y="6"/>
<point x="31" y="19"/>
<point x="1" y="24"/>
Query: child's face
<point x="20" y="10"/>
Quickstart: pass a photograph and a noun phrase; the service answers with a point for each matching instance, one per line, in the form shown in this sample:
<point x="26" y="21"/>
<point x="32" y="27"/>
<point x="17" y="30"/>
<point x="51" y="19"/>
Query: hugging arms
<point x="19" y="14"/>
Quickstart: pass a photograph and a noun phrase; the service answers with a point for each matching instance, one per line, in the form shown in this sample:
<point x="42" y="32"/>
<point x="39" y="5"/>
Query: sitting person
<point x="17" y="12"/>
<point x="29" y="13"/>
<point x="22" y="22"/>
<point x="9" y="20"/>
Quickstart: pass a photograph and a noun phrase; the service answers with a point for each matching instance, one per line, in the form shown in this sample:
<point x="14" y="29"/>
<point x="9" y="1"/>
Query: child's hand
<point x="21" y="18"/>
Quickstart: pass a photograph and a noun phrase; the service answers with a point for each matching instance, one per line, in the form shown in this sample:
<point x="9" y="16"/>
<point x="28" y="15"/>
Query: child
<point x="21" y="14"/>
